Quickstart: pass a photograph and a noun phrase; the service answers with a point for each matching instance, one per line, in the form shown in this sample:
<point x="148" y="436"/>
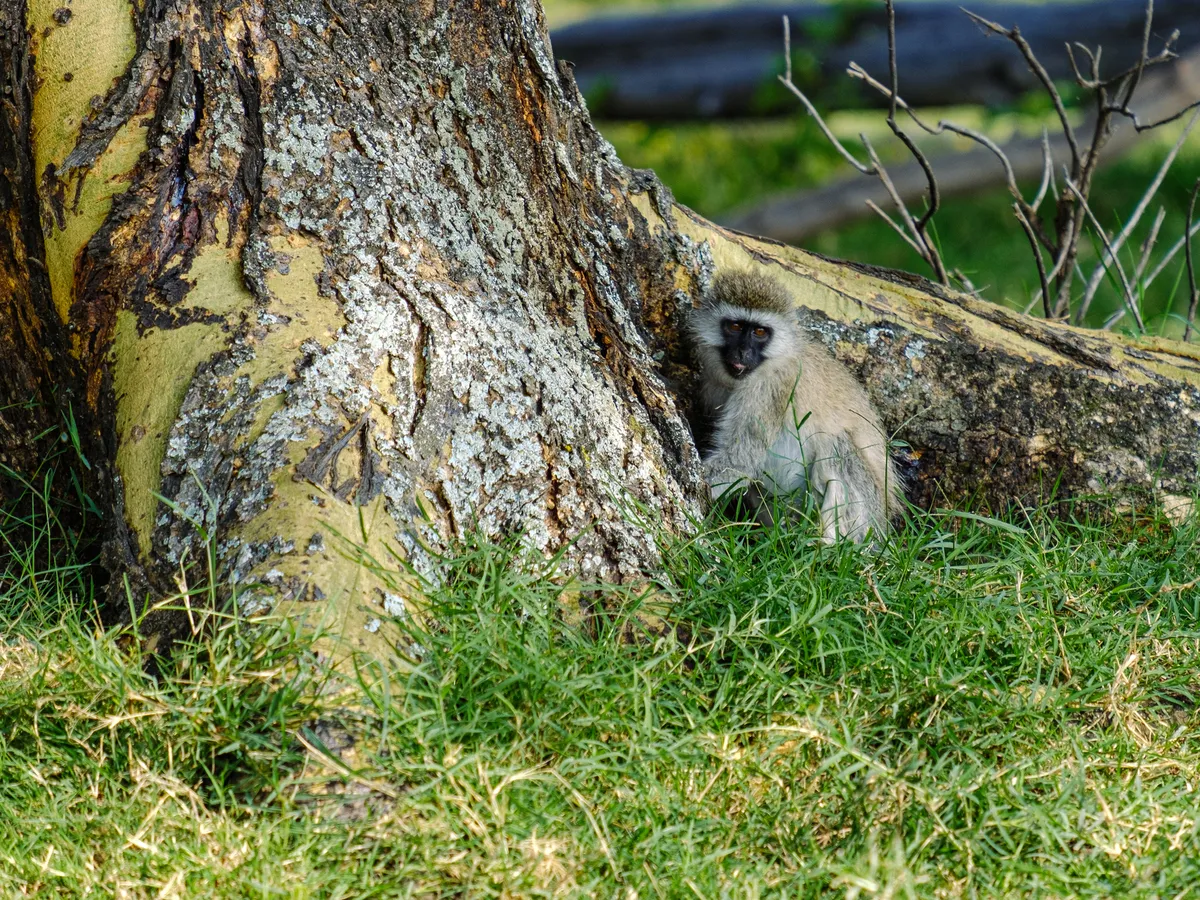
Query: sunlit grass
<point x="981" y="708"/>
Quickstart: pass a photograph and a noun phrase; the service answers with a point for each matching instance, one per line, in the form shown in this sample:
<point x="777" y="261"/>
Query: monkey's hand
<point x="743" y="499"/>
<point x="722" y="476"/>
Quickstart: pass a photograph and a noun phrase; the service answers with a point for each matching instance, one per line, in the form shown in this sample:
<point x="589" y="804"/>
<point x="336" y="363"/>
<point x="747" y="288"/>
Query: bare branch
<point x="1112" y="97"/>
<point x="1047" y="171"/>
<point x="787" y="82"/>
<point x="1059" y="261"/>
<point x="913" y="231"/>
<point x="1140" y="126"/>
<point x="1136" y="78"/>
<point x="1148" y="245"/>
<point x="1037" y="258"/>
<point x="1094" y="58"/>
<point x="886" y="180"/>
<point x="1113" y="319"/>
<point x="1131" y="223"/>
<point x="1043" y="76"/>
<point x="933" y="257"/>
<point x="1131" y="301"/>
<point x="1191" y="266"/>
<point x="857" y="71"/>
<point x="967" y="285"/>
<point x="1171" y="254"/>
<point x="795" y="217"/>
<point x="1069" y="221"/>
<point x="898" y="228"/>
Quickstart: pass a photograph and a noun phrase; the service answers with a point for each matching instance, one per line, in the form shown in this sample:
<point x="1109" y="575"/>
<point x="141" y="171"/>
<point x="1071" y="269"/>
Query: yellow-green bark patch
<point x="297" y="303"/>
<point x="106" y="178"/>
<point x="80" y="50"/>
<point x="354" y="570"/>
<point x="216" y="276"/>
<point x="151" y="374"/>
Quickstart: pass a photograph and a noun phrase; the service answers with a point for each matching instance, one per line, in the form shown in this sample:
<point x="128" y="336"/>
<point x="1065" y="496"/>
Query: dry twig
<point x="1191" y="266"/>
<point x="1135" y="217"/>
<point x="1148" y="245"/>
<point x="1037" y="257"/>
<point x="1060" y="237"/>
<point x="1170" y="255"/>
<point x="1131" y="304"/>
<point x="914" y="230"/>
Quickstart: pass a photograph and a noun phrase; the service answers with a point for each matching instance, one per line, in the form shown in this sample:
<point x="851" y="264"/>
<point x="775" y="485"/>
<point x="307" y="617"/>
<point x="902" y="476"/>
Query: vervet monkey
<point x="787" y="415"/>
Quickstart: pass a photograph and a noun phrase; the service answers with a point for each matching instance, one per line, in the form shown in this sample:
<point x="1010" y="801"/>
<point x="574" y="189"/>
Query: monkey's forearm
<point x="741" y="456"/>
<point x="741" y="448"/>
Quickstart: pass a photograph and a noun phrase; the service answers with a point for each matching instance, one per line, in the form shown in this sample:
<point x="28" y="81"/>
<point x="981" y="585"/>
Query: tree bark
<point x="715" y="63"/>
<point x="329" y="286"/>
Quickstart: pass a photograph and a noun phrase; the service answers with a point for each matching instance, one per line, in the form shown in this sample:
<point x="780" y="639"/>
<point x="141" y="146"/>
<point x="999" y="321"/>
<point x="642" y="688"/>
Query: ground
<point x="980" y="708"/>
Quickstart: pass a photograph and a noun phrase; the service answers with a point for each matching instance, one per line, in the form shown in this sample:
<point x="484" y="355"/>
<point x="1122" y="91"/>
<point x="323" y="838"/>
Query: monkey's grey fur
<point x="796" y="419"/>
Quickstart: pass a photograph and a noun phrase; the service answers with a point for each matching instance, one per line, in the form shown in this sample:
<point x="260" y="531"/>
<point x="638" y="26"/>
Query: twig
<point x="1037" y="257"/>
<point x="914" y="230"/>
<point x="933" y="257"/>
<point x="899" y="230"/>
<point x="1059" y="261"/>
<point x="1042" y="75"/>
<point x="1113" y="319"/>
<point x="1112" y="96"/>
<point x="1172" y="253"/>
<point x="1093" y="283"/>
<point x="886" y="180"/>
<point x="1047" y="171"/>
<point x="943" y="125"/>
<point x="967" y="284"/>
<point x="1148" y="245"/>
<point x="1132" y="302"/>
<point x="1140" y="126"/>
<point x="1080" y="78"/>
<point x="812" y="110"/>
<point x="1191" y="266"/>
<point x="1132" y="84"/>
<point x="1069" y="222"/>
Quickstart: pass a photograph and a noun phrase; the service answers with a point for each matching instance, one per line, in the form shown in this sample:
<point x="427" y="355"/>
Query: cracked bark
<point x="328" y="285"/>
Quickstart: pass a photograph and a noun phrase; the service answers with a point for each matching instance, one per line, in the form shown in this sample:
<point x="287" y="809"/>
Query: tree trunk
<point x="328" y="286"/>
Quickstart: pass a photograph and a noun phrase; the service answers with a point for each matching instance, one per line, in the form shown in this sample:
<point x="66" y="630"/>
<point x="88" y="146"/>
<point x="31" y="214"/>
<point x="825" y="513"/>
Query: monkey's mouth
<point x="737" y="370"/>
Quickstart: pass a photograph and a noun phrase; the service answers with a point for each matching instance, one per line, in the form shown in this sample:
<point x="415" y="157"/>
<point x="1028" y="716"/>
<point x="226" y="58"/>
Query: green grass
<point x="982" y="708"/>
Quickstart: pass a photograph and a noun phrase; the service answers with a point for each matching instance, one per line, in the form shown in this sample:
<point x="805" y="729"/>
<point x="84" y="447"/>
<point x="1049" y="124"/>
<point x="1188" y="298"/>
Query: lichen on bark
<point x="379" y="262"/>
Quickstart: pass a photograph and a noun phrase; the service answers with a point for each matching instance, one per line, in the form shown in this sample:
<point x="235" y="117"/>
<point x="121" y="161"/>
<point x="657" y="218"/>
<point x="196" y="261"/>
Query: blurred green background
<point x="718" y="167"/>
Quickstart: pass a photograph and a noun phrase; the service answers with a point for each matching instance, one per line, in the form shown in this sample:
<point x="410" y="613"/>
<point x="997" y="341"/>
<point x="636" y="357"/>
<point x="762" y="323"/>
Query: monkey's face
<point x="745" y="345"/>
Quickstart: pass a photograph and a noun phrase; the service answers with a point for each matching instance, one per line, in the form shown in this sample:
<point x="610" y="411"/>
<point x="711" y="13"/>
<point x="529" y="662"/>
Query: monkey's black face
<point x="745" y="345"/>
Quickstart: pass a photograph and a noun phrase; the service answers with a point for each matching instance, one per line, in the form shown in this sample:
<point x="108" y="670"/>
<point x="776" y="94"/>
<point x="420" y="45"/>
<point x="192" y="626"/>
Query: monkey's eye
<point x="760" y="332"/>
<point x="735" y="327"/>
